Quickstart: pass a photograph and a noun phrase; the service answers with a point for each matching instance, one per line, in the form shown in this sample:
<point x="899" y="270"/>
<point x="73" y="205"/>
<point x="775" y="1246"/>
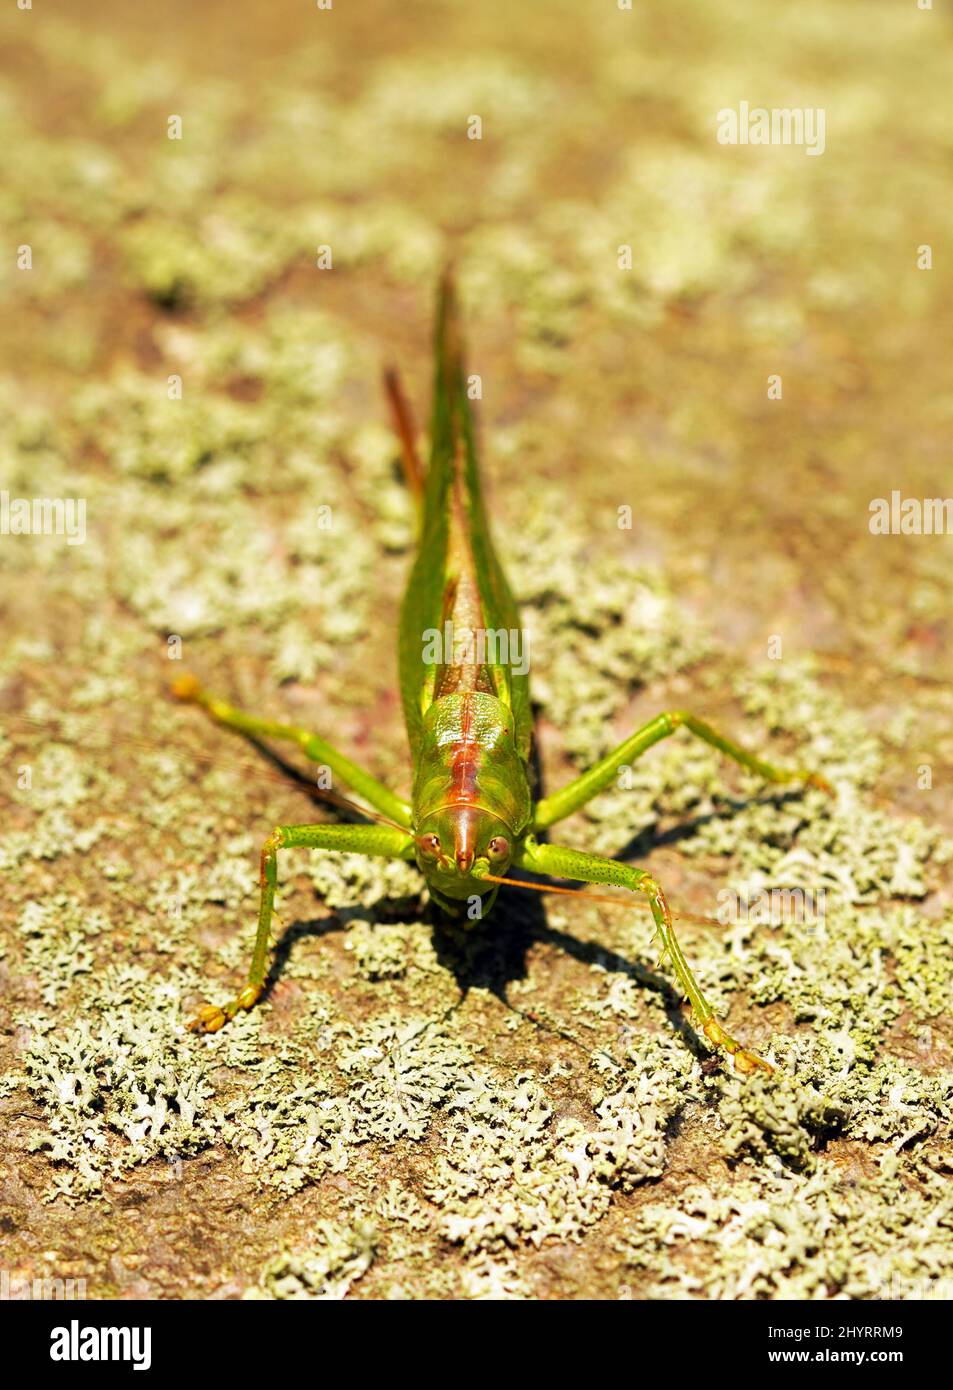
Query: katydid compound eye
<point x="430" y="844"/>
<point x="498" y="847"/>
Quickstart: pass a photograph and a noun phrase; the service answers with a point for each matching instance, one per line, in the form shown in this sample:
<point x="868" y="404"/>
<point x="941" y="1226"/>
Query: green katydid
<point x="471" y="815"/>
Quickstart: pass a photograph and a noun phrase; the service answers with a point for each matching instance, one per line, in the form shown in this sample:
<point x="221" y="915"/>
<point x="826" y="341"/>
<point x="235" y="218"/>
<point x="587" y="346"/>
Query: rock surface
<point x="529" y="1113"/>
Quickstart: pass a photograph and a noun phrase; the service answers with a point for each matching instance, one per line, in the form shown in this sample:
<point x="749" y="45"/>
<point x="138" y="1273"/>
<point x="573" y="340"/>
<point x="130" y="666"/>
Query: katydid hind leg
<point x="187" y="689"/>
<point x="382" y="841"/>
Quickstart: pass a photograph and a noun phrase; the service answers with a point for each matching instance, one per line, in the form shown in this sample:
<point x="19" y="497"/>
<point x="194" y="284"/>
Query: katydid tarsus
<point x="471" y="815"/>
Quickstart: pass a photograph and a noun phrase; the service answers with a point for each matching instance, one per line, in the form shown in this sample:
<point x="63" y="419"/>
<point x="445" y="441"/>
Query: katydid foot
<point x="746" y="1062"/>
<point x="212" y="1017"/>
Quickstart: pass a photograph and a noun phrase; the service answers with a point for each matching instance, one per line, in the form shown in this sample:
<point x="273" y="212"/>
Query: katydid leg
<point x="382" y="841"/>
<point x="589" y="784"/>
<point x="561" y="862"/>
<point x="186" y="688"/>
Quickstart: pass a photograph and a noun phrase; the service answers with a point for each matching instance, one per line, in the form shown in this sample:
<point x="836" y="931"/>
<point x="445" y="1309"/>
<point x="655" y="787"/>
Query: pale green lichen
<point x="338" y="1258"/>
<point x="598" y="629"/>
<point x="352" y="880"/>
<point x="797" y="1237"/>
<point x="512" y="1171"/>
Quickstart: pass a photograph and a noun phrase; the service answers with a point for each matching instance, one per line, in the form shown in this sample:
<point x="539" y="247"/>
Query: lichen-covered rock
<point x="528" y="1112"/>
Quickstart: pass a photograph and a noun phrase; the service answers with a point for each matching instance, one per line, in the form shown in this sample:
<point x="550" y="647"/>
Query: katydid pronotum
<point x="471" y="815"/>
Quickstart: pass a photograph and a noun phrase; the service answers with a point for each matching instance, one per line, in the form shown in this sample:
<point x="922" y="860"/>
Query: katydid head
<point x="458" y="845"/>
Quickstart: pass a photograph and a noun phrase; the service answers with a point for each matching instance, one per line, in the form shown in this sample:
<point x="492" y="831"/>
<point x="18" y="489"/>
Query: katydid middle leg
<point x="383" y="841"/>
<point x="187" y="688"/>
<point x="589" y="784"/>
<point x="561" y="862"/>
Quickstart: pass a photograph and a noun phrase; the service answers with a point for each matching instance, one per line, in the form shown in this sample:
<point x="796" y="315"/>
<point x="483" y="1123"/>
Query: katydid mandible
<point x="471" y="816"/>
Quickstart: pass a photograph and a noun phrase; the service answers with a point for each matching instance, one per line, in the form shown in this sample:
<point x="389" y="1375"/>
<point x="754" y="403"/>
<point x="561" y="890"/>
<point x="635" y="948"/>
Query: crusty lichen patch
<point x="528" y="1112"/>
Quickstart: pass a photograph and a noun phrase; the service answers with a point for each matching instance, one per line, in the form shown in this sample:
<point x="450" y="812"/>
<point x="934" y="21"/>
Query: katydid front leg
<point x="583" y="788"/>
<point x="593" y="868"/>
<point x="384" y="841"/>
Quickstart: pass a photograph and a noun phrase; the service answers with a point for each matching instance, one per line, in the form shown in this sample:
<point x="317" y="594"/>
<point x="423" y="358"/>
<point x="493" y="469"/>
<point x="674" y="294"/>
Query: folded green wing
<point x="453" y="453"/>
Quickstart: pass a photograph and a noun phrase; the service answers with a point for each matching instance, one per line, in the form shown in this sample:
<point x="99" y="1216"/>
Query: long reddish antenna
<point x="593" y="897"/>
